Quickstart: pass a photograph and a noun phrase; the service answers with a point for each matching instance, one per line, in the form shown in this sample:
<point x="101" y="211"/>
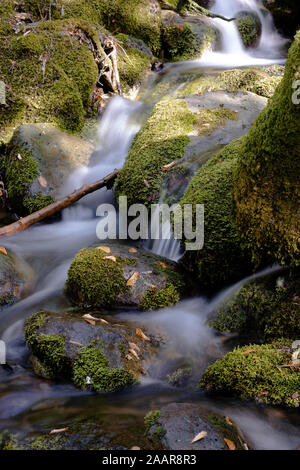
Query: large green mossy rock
<point x="267" y="189"/>
<point x="263" y="309"/>
<point x="175" y="425"/>
<point x="39" y="159"/>
<point x="117" y="276"/>
<point x="139" y="18"/>
<point x="223" y="257"/>
<point x="94" y="355"/>
<point x="254" y="372"/>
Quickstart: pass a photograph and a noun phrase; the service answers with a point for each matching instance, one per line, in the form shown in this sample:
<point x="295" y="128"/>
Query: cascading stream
<point x="50" y="248"/>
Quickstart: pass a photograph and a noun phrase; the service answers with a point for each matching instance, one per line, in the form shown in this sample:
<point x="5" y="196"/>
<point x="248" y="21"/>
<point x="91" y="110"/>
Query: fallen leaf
<point x="42" y="182"/>
<point x="132" y="280"/>
<point x="106" y="249"/>
<point x="76" y="344"/>
<point x="228" y="421"/>
<point x="132" y="351"/>
<point x="230" y="444"/>
<point x="142" y="335"/>
<point x="3" y="251"/>
<point x="111" y="258"/>
<point x="134" y="346"/>
<point x="129" y="357"/>
<point x="295" y="396"/>
<point x="19" y="156"/>
<point x="199" y="436"/>
<point x="146" y="183"/>
<point x="104" y="321"/>
<point x="56" y="431"/>
<point x="91" y="322"/>
<point x="169" y="166"/>
<point x="132" y="250"/>
<point x="135" y="448"/>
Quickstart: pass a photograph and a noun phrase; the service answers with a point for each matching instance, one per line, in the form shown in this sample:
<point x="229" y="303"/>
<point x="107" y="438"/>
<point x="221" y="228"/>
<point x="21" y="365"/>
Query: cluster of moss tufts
<point x="256" y="372"/>
<point x="91" y="370"/>
<point x="249" y="27"/>
<point x="165" y="297"/>
<point x="50" y="349"/>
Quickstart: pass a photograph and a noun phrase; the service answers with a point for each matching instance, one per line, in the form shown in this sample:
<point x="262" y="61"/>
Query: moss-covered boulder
<point x="116" y="275"/>
<point x="30" y="166"/>
<point x="184" y="130"/>
<point x="186" y="38"/>
<point x="223" y="258"/>
<point x="266" y="188"/>
<point x="263" y="309"/>
<point x="101" y="355"/>
<point x="16" y="278"/>
<point x="250" y="28"/>
<point x="177" y="424"/>
<point x="262" y="373"/>
<point x="139" y="18"/>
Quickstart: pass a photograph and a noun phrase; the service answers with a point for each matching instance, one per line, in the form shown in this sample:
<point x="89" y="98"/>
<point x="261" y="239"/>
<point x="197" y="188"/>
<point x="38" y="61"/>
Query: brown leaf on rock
<point x="132" y="250"/>
<point x="134" y="346"/>
<point x="230" y="444"/>
<point x="228" y="421"/>
<point x="142" y="335"/>
<point x="248" y="351"/>
<point x="133" y="352"/>
<point x="42" y="182"/>
<point x="106" y="249"/>
<point x="199" y="436"/>
<point x="3" y="251"/>
<point x="56" y="431"/>
<point x="169" y="166"/>
<point x="111" y="258"/>
<point x="132" y="280"/>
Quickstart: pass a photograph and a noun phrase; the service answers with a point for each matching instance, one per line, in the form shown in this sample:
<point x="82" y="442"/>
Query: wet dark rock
<point x="16" y="278"/>
<point x="102" y="354"/>
<point x="177" y="424"/>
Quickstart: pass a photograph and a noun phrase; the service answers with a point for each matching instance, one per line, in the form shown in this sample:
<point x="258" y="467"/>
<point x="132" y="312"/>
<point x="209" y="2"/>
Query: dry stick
<point x="57" y="206"/>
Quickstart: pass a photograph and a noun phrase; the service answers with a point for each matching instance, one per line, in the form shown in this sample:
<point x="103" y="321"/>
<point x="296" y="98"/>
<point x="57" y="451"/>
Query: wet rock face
<point x="285" y="14"/>
<point x="16" y="278"/>
<point x="117" y="275"/>
<point x="39" y="160"/>
<point x="177" y="424"/>
<point x="99" y="354"/>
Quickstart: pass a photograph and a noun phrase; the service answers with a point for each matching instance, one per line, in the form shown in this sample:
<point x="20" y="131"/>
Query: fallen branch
<point x="58" y="206"/>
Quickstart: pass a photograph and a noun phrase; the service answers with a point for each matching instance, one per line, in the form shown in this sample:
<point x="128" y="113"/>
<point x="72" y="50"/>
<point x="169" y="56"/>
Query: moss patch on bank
<point x="223" y="258"/>
<point x="161" y="140"/>
<point x="257" y="373"/>
<point x="268" y="307"/>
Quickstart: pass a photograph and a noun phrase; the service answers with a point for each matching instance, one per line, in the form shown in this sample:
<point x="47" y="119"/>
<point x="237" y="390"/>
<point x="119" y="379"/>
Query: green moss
<point x="6" y="13"/>
<point x="50" y="349"/>
<point x="257" y="373"/>
<point x="133" y="64"/>
<point x="8" y="441"/>
<point x="249" y="80"/>
<point x="151" y="419"/>
<point x="165" y="297"/>
<point x="161" y="140"/>
<point x="37" y="202"/>
<point x="223" y="258"/>
<point x="183" y="44"/>
<point x="20" y="173"/>
<point x="180" y="376"/>
<point x="91" y="370"/>
<point x="94" y="281"/>
<point x="58" y="63"/>
<point x="266" y="189"/>
<point x="249" y="27"/>
<point x="264" y="308"/>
